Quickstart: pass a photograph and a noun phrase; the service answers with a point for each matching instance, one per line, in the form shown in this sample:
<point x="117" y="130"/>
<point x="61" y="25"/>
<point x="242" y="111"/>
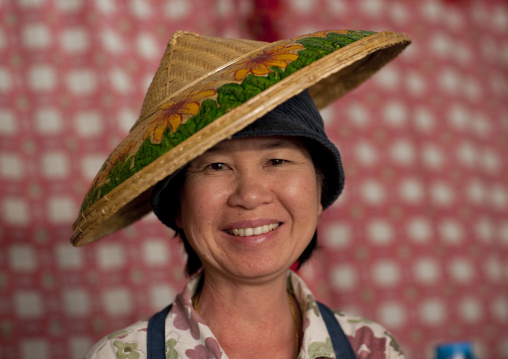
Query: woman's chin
<point x="253" y="269"/>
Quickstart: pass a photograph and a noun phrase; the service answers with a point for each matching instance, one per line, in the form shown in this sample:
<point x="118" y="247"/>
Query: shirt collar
<point x="316" y="342"/>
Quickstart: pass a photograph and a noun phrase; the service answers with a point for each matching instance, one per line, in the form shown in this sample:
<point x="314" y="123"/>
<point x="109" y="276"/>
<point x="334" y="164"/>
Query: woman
<point x="246" y="206"/>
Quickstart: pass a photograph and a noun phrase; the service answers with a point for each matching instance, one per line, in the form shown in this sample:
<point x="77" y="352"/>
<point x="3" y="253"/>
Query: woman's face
<point x="249" y="207"/>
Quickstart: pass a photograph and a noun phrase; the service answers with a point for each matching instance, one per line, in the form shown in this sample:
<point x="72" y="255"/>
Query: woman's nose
<point x="250" y="190"/>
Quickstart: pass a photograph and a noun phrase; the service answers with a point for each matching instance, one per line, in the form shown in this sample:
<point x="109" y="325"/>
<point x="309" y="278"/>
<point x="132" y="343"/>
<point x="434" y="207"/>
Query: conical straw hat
<point x="205" y="90"/>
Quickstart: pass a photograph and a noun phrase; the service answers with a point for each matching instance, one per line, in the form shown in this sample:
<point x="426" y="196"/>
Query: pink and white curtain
<point x="418" y="241"/>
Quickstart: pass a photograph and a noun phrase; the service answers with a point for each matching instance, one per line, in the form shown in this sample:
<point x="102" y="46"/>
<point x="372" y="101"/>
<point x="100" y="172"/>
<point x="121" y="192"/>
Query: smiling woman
<point x="284" y="142"/>
<point x="237" y="162"/>
<point x="248" y="184"/>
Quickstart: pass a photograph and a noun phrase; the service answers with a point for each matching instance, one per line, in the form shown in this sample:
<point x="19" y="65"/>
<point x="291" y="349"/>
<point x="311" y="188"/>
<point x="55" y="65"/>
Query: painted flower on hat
<point x="171" y="113"/>
<point x="259" y="65"/>
<point x="116" y="157"/>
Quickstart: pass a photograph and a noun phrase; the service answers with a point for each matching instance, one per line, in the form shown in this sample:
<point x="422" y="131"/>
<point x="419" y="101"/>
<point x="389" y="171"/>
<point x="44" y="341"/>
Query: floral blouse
<point x="187" y="336"/>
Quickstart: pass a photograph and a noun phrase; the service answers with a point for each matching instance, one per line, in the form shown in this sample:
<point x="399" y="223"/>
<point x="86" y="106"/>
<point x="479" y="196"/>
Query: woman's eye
<point x="217" y="166"/>
<point x="277" y="162"/>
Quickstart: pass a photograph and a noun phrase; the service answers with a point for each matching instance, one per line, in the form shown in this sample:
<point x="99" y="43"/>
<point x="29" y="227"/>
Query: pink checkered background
<point x="418" y="241"/>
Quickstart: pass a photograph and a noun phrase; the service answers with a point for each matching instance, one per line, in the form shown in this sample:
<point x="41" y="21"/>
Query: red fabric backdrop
<point x="418" y="241"/>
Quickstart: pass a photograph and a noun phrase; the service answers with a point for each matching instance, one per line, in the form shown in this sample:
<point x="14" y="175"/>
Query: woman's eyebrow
<point x="263" y="144"/>
<point x="280" y="144"/>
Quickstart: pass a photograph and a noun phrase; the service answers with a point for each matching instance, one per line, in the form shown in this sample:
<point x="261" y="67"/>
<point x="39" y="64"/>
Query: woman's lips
<point x="252" y="231"/>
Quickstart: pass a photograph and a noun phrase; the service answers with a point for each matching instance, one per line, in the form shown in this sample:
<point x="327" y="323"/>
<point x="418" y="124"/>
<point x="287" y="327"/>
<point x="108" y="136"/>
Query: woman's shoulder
<point x="365" y="334"/>
<point x="131" y="339"/>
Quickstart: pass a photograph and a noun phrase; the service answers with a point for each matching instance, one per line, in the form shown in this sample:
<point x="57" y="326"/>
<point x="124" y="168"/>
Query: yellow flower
<point x="279" y="56"/>
<point x="171" y="113"/>
<point x="120" y="153"/>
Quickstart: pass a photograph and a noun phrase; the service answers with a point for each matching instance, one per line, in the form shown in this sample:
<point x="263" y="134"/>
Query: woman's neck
<point x="243" y="315"/>
<point x="242" y="299"/>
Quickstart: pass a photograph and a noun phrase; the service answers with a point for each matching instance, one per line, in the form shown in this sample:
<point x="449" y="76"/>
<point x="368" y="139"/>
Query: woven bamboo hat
<point x="205" y="90"/>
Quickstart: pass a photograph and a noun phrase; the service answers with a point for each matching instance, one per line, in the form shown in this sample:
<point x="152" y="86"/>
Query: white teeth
<point x="245" y="232"/>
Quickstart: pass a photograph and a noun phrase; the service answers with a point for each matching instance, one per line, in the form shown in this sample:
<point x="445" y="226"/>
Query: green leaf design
<point x="118" y="333"/>
<point x="119" y="172"/>
<point x="146" y="152"/>
<point x="126" y="350"/>
<point x="230" y="96"/>
<point x="254" y="85"/>
<point x="323" y="46"/>
<point x="208" y="113"/>
<point x="90" y="198"/>
<point x="339" y="313"/>
<point x="305" y="58"/>
<point x="340" y="40"/>
<point x="393" y="342"/>
<point x="320" y="349"/>
<point x="360" y="320"/>
<point x="312" y="305"/>
<point x="171" y="353"/>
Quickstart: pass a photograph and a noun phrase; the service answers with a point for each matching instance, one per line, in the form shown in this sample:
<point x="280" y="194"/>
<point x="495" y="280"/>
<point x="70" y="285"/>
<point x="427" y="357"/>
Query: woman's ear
<point x="320" y="206"/>
<point x="320" y="181"/>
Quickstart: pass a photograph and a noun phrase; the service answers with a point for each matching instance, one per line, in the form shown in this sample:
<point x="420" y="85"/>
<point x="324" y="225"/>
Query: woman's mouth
<point x="245" y="232"/>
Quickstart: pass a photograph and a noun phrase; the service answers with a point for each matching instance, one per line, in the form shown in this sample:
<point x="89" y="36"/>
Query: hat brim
<point x="120" y="193"/>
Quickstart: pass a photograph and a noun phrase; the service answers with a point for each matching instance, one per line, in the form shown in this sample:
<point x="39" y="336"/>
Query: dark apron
<point x="156" y="336"/>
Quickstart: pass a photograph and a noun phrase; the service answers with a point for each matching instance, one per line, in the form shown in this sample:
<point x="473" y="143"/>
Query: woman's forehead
<point x="259" y="143"/>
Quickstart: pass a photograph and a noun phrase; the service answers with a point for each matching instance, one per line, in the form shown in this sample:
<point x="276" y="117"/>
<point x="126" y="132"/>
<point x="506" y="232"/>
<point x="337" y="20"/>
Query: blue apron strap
<point x="341" y="345"/>
<point x="156" y="335"/>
